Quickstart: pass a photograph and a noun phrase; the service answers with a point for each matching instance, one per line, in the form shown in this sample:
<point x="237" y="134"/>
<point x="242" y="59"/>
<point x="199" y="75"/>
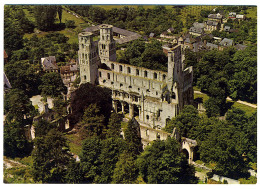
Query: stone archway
<point x="188" y="145"/>
<point x="186" y="153"/>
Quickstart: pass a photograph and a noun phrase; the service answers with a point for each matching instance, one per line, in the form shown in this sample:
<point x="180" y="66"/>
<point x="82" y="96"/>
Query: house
<point x="211" y="46"/>
<point x="211" y="25"/>
<point x="7" y="84"/>
<point x="198" y="46"/>
<point x="170" y="30"/>
<point x="49" y="64"/>
<point x="151" y="35"/>
<point x="215" y="17"/>
<point x="197" y="29"/>
<point x="225" y="43"/>
<point x="69" y="73"/>
<point x="240" y="17"/>
<point x="188" y="42"/>
<point x="227" y="28"/>
<point x="232" y="15"/>
<point x="240" y="47"/>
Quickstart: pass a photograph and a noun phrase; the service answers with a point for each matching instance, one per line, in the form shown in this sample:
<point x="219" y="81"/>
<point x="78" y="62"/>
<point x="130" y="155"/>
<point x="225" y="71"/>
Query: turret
<point x="106" y="44"/>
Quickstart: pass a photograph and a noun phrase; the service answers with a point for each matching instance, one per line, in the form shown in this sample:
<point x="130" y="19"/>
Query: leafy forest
<point x="110" y="149"/>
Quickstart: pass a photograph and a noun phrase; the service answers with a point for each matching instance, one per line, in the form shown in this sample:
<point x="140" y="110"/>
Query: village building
<point x="197" y="29"/>
<point x="49" y="64"/>
<point x="69" y="73"/>
<point x="153" y="97"/>
<point x="212" y="25"/>
<point x="225" y="43"/>
<point x="7" y="84"/>
<point x="215" y="17"/>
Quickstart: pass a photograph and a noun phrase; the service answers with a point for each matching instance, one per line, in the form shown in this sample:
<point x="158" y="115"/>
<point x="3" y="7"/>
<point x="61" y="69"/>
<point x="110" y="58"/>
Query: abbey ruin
<point x="152" y="97"/>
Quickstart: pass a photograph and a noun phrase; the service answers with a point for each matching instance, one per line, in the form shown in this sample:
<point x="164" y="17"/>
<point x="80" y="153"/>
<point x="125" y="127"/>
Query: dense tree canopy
<point x="162" y="162"/>
<point x="50" y="158"/>
<point x="52" y="85"/>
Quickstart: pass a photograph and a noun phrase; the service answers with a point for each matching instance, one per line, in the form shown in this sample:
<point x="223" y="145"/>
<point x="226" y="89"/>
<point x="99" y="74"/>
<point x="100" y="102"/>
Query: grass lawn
<point x="74" y="143"/>
<point x="71" y="33"/>
<point x="251" y="12"/>
<point x="249" y="110"/>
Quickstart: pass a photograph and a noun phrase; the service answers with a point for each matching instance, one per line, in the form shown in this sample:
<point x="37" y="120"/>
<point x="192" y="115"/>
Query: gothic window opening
<point x="120" y="68"/>
<point x="164" y="76"/>
<point x="128" y="70"/>
<point x="145" y="73"/>
<point x="147" y="117"/>
<point x="155" y="75"/>
<point x="112" y="66"/>
<point x="137" y="72"/>
<point x="108" y="75"/>
<point x="100" y="75"/>
<point x="85" y="77"/>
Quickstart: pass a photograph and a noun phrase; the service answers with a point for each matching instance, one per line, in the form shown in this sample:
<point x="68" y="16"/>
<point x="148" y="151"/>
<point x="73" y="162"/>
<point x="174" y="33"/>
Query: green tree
<point x="99" y="158"/>
<point x="28" y="79"/>
<point x="185" y="121"/>
<point x="50" y="158"/>
<point x="92" y="123"/>
<point x="225" y="146"/>
<point x="15" y="142"/>
<point x="42" y="127"/>
<point x="74" y="173"/>
<point x="45" y="16"/>
<point x="163" y="163"/>
<point x="52" y="85"/>
<point x="114" y="126"/>
<point x="126" y="171"/>
<point x="17" y="105"/>
<point x="91" y="149"/>
<point x="111" y="150"/>
<point x="133" y="137"/>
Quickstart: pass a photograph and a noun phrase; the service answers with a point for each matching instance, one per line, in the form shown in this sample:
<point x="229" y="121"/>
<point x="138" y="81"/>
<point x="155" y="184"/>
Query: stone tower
<point x="175" y="75"/>
<point x="88" y="58"/>
<point x="106" y="44"/>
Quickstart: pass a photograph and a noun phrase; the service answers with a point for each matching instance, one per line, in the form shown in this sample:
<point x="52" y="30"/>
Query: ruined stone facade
<point x="151" y="96"/>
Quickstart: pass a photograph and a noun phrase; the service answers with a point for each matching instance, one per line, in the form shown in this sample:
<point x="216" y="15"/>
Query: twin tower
<point x="152" y="96"/>
<point x="92" y="53"/>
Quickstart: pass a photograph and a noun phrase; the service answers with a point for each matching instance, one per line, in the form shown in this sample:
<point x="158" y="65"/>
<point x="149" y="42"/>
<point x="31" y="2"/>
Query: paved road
<point x="239" y="101"/>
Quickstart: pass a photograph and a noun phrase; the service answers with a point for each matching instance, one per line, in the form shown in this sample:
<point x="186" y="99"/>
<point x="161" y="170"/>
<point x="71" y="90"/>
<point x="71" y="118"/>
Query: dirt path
<point x="239" y="101"/>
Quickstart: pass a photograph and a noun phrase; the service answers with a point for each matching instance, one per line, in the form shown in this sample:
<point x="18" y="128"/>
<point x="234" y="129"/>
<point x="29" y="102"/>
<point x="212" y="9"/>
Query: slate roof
<point x="7" y="84"/>
<point x="49" y="63"/>
<point x="211" y="46"/>
<point x="212" y="23"/>
<point x="215" y="16"/>
<point x="226" y="42"/>
<point x="129" y="35"/>
<point x="69" y="69"/>
<point x="196" y="30"/>
<point x="240" y="47"/>
<point x="198" y="25"/>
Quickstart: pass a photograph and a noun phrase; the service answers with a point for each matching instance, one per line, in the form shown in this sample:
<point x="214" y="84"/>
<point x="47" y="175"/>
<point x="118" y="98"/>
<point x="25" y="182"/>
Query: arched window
<point x="147" y="117"/>
<point x="128" y="70"/>
<point x="120" y="68"/>
<point x="137" y="72"/>
<point x="173" y="95"/>
<point x="112" y="66"/>
<point x="164" y="76"/>
<point x="108" y="75"/>
<point x="155" y="75"/>
<point x="100" y="74"/>
<point x="145" y="73"/>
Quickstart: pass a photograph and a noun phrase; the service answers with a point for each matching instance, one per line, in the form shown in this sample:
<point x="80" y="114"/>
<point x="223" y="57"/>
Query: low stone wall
<point x="221" y="179"/>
